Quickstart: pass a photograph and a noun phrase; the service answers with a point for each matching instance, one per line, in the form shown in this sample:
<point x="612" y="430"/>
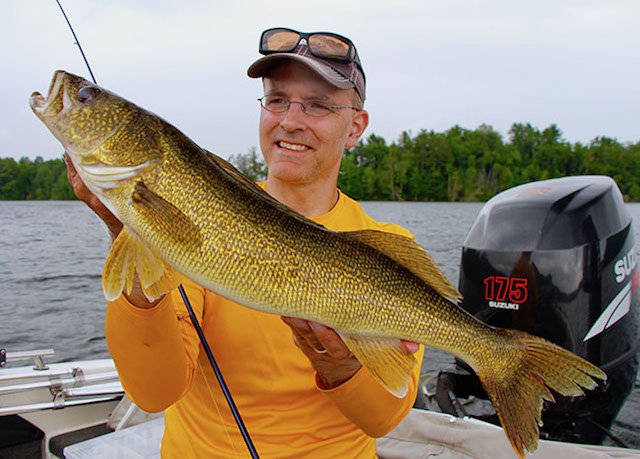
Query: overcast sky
<point x="430" y="64"/>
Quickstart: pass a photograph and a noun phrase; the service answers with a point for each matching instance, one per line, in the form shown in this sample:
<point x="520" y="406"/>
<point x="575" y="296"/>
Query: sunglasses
<point x="324" y="45"/>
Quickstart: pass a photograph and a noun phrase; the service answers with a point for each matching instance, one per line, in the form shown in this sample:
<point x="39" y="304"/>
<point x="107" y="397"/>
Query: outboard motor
<point x="557" y="259"/>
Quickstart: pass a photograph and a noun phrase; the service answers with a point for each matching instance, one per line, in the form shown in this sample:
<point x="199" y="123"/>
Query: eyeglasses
<point x="313" y="107"/>
<point x="324" y="45"/>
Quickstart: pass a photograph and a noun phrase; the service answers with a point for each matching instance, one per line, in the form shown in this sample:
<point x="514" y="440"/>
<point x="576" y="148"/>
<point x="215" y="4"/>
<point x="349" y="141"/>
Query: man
<point x="301" y="397"/>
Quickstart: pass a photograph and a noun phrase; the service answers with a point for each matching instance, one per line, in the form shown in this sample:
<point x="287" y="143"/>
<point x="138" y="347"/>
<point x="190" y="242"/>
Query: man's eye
<point x="318" y="105"/>
<point x="276" y="101"/>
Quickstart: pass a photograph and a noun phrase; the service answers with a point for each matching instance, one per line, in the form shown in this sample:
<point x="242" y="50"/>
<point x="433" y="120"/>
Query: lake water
<point x="51" y="257"/>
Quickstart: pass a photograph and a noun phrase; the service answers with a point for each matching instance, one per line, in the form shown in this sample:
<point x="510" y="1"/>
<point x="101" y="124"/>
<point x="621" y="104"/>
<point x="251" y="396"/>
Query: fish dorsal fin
<point x="236" y="175"/>
<point x="129" y="256"/>
<point x="386" y="361"/>
<point x="408" y="253"/>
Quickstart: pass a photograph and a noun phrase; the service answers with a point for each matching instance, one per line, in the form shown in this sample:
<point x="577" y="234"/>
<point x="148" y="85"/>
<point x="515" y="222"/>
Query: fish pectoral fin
<point x="129" y="256"/>
<point x="385" y="360"/>
<point x="412" y="256"/>
<point x="156" y="277"/>
<point x="178" y="227"/>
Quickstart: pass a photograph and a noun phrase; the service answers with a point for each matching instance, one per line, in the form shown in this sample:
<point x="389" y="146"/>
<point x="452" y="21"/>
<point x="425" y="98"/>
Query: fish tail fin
<point x="130" y="256"/>
<point x="518" y="377"/>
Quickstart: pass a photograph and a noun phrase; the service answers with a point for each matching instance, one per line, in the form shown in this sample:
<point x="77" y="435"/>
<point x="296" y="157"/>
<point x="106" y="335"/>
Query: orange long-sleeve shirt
<point x="162" y="366"/>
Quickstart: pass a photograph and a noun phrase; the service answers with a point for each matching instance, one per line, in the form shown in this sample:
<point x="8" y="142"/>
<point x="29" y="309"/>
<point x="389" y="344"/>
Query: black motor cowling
<point x="557" y="259"/>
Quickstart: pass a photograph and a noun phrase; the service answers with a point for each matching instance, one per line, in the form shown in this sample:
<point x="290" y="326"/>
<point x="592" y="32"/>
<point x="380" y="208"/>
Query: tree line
<point x="455" y="165"/>
<point x="36" y="179"/>
<point x="473" y="165"/>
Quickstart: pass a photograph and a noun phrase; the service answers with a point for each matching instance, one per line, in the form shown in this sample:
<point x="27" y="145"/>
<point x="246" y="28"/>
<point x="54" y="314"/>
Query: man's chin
<point x="289" y="173"/>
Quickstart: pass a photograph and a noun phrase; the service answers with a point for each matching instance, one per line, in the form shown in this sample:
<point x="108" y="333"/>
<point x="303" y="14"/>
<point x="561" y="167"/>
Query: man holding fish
<point x="187" y="213"/>
<point x="300" y="396"/>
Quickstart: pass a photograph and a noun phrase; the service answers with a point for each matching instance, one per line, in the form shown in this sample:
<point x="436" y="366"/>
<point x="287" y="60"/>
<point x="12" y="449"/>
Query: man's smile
<point x="292" y="146"/>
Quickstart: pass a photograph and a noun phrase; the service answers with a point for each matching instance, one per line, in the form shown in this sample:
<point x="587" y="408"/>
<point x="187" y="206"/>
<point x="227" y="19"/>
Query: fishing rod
<point x="192" y="315"/>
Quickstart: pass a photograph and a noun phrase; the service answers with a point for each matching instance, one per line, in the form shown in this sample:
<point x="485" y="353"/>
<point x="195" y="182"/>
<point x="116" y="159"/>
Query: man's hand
<point x="85" y="195"/>
<point x="328" y="354"/>
<point x="136" y="297"/>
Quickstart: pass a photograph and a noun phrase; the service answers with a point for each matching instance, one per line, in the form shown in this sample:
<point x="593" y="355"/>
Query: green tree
<point x="250" y="164"/>
<point x="37" y="179"/>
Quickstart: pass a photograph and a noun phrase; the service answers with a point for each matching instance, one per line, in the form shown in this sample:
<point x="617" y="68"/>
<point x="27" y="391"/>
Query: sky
<point x="430" y="64"/>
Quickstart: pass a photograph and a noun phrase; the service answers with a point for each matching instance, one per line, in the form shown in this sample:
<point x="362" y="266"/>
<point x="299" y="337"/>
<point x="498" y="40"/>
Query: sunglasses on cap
<point x="324" y="45"/>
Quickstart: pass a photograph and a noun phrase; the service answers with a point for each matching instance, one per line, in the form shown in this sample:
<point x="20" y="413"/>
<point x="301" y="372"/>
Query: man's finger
<point x="330" y="341"/>
<point x="304" y="332"/>
<point x="76" y="182"/>
<point x="85" y="195"/>
<point x="71" y="170"/>
<point x="411" y="347"/>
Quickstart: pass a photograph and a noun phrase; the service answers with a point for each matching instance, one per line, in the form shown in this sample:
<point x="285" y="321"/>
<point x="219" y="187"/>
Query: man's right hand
<point x="85" y="195"/>
<point x="136" y="297"/>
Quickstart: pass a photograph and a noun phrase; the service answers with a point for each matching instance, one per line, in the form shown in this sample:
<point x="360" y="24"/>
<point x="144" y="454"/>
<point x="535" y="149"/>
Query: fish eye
<point x="87" y="94"/>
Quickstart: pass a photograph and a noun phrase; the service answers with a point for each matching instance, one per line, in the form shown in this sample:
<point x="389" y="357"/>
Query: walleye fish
<point x="188" y="212"/>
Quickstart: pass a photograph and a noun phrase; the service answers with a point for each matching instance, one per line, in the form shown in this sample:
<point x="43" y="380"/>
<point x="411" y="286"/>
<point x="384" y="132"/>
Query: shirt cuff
<point x="344" y="390"/>
<point x="126" y="307"/>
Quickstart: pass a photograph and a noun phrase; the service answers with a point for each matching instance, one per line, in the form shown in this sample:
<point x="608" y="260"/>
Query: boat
<point x="531" y="282"/>
<point x="78" y="409"/>
<point x="44" y="406"/>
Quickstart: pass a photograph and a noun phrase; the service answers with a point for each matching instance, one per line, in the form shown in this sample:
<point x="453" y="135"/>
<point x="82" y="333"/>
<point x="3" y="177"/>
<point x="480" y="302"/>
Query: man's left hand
<point x="329" y="355"/>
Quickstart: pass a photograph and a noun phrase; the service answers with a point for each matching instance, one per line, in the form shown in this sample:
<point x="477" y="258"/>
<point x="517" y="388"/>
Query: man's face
<point x="300" y="149"/>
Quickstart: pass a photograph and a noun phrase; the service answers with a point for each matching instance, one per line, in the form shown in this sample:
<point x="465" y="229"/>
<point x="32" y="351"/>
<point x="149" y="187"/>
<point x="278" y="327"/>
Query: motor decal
<point x="615" y="311"/>
<point x="625" y="266"/>
<point x="499" y="289"/>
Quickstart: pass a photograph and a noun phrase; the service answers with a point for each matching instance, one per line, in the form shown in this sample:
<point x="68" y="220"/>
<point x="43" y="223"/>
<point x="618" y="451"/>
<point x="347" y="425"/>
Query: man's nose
<point x="294" y="118"/>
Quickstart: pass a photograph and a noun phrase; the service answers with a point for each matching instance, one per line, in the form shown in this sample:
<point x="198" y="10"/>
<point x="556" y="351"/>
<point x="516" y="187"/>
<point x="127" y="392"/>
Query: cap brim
<point x="263" y="65"/>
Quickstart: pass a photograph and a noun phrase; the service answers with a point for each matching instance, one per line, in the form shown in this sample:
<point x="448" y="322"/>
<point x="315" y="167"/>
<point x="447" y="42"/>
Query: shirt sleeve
<point x="369" y="405"/>
<point x="156" y="349"/>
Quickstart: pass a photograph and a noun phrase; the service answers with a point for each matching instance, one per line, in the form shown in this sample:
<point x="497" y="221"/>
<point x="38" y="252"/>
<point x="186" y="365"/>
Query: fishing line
<point x="218" y="373"/>
<point x="205" y="378"/>
<point x="192" y="316"/>
<point x="77" y="42"/>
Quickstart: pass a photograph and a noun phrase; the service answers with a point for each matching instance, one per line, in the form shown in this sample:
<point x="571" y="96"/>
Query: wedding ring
<point x="320" y="351"/>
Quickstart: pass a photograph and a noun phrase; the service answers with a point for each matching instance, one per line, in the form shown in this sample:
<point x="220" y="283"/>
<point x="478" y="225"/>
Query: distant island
<point x="455" y="165"/>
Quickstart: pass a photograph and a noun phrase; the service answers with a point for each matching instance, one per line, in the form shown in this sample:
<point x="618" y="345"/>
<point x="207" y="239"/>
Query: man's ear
<point x="359" y="124"/>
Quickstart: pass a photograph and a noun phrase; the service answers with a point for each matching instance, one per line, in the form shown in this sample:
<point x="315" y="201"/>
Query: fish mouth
<point x="55" y="102"/>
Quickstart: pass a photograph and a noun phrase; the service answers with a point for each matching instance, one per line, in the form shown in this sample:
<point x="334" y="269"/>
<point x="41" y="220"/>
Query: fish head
<point x="109" y="139"/>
